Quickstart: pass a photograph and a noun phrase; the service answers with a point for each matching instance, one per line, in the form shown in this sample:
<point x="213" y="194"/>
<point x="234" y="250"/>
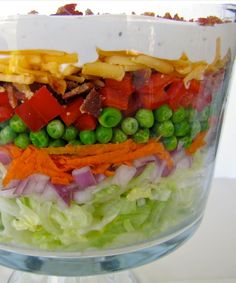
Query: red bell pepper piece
<point x="133" y="105"/>
<point x="156" y="83"/>
<point x="45" y="104"/>
<point x="4" y="99"/>
<point x="86" y="122"/>
<point x="125" y="86"/>
<point x="71" y="111"/>
<point x="6" y="112"/>
<point x="175" y="93"/>
<point x="153" y="100"/>
<point x="39" y="110"/>
<point x="114" y="98"/>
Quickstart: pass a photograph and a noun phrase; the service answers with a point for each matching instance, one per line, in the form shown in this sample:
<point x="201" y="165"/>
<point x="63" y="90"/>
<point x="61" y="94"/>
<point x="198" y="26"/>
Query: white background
<point x="225" y="166"/>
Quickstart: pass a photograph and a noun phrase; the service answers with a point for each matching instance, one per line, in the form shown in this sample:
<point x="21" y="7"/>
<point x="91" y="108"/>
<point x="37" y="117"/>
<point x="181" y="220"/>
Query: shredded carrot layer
<point x="32" y="161"/>
<point x="120" y="154"/>
<point x="59" y="162"/>
<point x="88" y="150"/>
<point x="197" y="143"/>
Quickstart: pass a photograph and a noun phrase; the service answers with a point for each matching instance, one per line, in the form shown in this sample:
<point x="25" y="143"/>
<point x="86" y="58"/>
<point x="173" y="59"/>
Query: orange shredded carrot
<point x="32" y="161"/>
<point x="15" y="151"/>
<point x="118" y="156"/>
<point x="59" y="167"/>
<point x="197" y="143"/>
<point x="100" y="169"/>
<point x="88" y="150"/>
<point x="109" y="173"/>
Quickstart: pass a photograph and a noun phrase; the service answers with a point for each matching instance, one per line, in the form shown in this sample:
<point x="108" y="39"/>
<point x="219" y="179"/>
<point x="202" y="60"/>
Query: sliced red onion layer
<point x="144" y="161"/>
<point x="36" y="184"/>
<point x="10" y="193"/>
<point x="123" y="175"/>
<point x="49" y="193"/>
<point x="64" y="192"/>
<point x="84" y="196"/>
<point x="84" y="177"/>
<point x="13" y="184"/>
<point x="185" y="162"/>
<point x="99" y="178"/>
<point x="5" y="157"/>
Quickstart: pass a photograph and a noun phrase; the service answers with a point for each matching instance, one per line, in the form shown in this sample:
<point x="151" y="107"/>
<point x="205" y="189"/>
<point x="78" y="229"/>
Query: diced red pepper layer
<point x="6" y="111"/>
<point x="39" y="110"/>
<point x="116" y="93"/>
<point x="45" y="104"/>
<point x="156" y="83"/>
<point x="125" y="86"/>
<point x="114" y="98"/>
<point x="154" y="100"/>
<point x="71" y="111"/>
<point x="134" y="105"/>
<point x="31" y="117"/>
<point x="86" y="122"/>
<point x="4" y="99"/>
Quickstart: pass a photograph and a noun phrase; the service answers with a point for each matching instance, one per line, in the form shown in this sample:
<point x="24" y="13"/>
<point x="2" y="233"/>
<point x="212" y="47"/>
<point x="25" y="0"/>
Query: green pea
<point x="129" y="125"/>
<point x="195" y="129"/>
<point x="22" y="141"/>
<point x="145" y="118"/>
<point x="179" y="115"/>
<point x="110" y="117"/>
<point x="164" y="129"/>
<point x="170" y="143"/>
<point x="192" y="115"/>
<point x="55" y="129"/>
<point x="39" y="138"/>
<point x="57" y="143"/>
<point x="104" y="135"/>
<point x="182" y="128"/>
<point x="141" y="136"/>
<point x="70" y="133"/>
<point x="185" y="141"/>
<point x="204" y="114"/>
<point x="4" y="124"/>
<point x="204" y="126"/>
<point x="87" y="137"/>
<point x="75" y="142"/>
<point x="163" y="113"/>
<point x="119" y="136"/>
<point x="7" y="135"/>
<point x="17" y="125"/>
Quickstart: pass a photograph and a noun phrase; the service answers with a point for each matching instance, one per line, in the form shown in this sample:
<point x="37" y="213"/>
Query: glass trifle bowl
<point x="109" y="131"/>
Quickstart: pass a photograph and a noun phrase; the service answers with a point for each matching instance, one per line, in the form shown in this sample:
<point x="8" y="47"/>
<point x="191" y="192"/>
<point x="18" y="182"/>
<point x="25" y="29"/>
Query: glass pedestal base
<point x="118" y="277"/>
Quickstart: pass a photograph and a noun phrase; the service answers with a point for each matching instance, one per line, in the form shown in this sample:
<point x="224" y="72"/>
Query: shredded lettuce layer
<point x="115" y="216"/>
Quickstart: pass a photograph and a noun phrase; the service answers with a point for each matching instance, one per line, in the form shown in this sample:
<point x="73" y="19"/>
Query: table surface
<point x="209" y="256"/>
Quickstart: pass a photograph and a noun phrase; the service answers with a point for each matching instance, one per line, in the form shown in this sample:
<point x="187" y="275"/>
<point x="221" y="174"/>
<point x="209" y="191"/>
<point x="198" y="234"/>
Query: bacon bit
<point x="210" y="21"/>
<point x="88" y="12"/>
<point x="78" y="90"/>
<point x="150" y="14"/>
<point x="11" y="97"/>
<point x="141" y="77"/>
<point x="167" y="16"/>
<point x="33" y="12"/>
<point x="92" y="103"/>
<point x="175" y="18"/>
<point x="68" y="9"/>
<point x="99" y="83"/>
<point x="71" y="85"/>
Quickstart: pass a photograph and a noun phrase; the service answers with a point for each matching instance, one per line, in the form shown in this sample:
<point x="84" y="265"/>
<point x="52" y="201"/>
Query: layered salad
<point x="107" y="154"/>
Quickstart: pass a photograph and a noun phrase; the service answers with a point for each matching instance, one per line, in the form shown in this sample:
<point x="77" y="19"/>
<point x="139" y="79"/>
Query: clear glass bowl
<point x="149" y="212"/>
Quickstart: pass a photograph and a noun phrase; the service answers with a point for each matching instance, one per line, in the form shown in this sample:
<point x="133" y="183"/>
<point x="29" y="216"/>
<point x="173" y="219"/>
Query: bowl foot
<point x="118" y="277"/>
